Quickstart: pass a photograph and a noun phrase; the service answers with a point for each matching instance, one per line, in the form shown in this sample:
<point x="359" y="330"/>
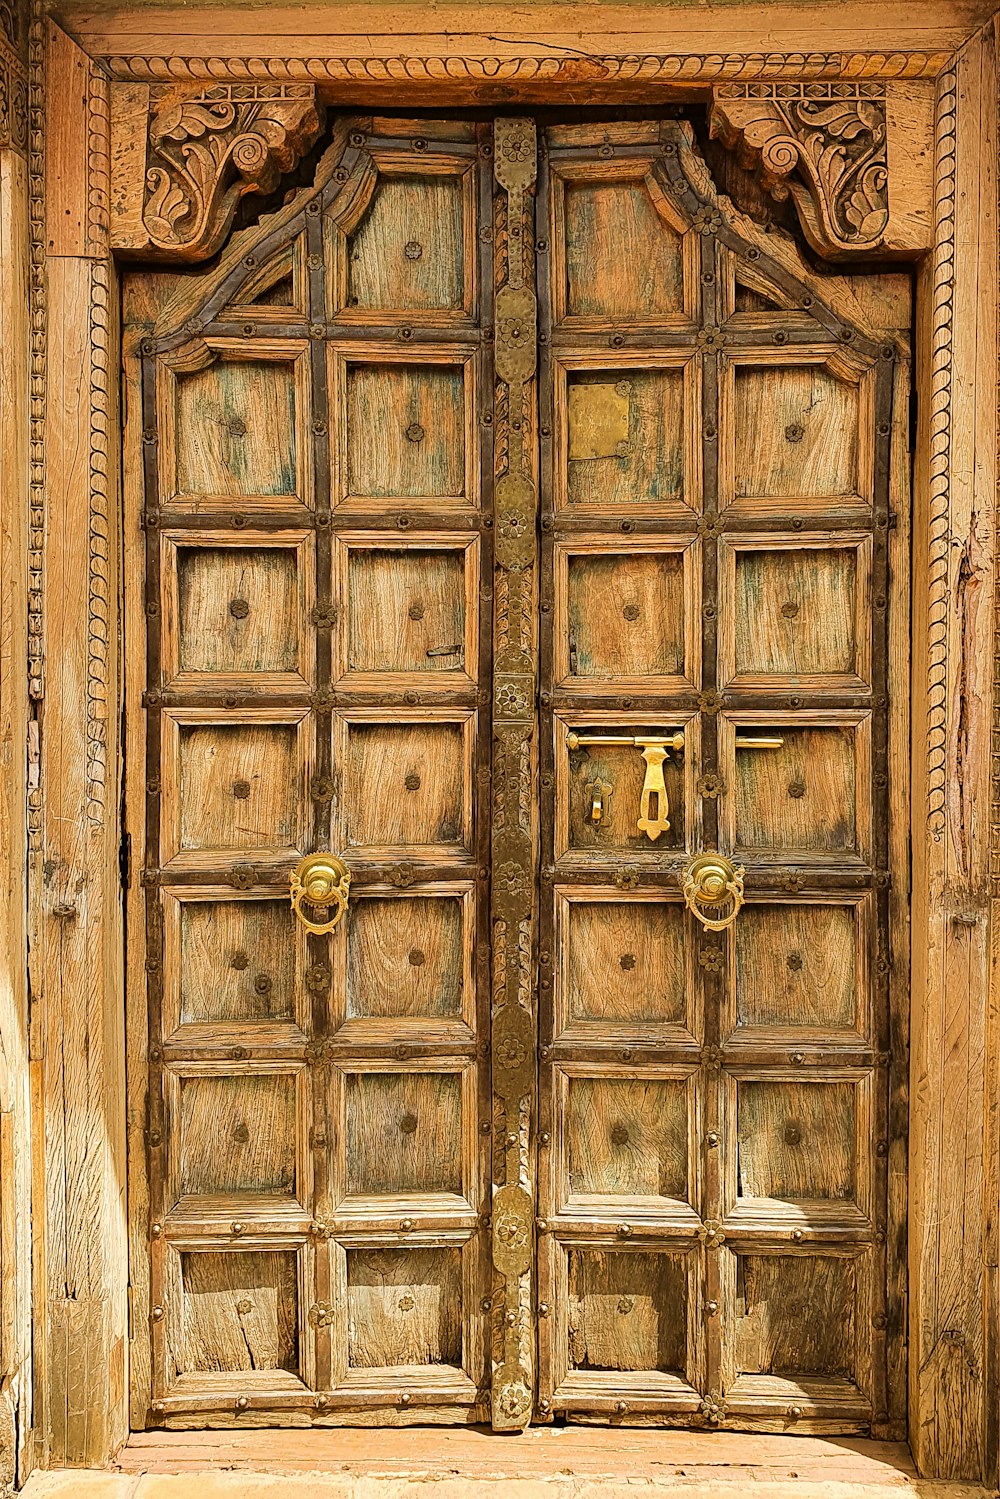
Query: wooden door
<point x="717" y="427"/>
<point x="510" y="1143"/>
<point x="317" y="523"/>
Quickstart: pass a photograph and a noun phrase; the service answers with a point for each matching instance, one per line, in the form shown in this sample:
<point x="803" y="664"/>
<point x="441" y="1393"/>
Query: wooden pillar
<point x="953" y="1147"/>
<point x="77" y="889"/>
<point x="15" y="1140"/>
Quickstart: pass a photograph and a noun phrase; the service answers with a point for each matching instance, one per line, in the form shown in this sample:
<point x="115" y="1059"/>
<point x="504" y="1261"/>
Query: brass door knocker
<point x="322" y="881"/>
<point x="709" y="882"/>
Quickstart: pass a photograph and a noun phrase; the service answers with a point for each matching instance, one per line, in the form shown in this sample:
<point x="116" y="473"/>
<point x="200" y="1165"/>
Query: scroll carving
<point x="208" y="150"/>
<point x="822" y="144"/>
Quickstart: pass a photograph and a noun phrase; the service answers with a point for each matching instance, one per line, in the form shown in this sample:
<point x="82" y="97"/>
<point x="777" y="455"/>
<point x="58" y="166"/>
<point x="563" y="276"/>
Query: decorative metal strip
<point x="514" y="751"/>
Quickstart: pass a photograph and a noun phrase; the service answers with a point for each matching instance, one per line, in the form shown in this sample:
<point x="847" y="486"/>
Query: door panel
<point x="317" y="1166"/>
<point x="713" y="1102"/>
<point x="517" y="519"/>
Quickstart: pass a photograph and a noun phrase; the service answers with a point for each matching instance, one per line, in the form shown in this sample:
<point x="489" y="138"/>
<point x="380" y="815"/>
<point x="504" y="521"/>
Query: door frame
<point x="74" y="135"/>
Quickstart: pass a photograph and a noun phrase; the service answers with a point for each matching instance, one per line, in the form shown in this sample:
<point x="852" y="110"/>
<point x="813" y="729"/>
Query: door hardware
<point x="653" y="816"/>
<point x="322" y="881"/>
<point x="600" y="791"/>
<point x="754" y="741"/>
<point x="709" y="882"/>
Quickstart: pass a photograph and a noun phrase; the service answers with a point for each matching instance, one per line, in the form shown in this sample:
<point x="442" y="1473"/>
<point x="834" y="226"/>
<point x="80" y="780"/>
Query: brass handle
<point x="710" y="881"/>
<point x="324" y="881"/>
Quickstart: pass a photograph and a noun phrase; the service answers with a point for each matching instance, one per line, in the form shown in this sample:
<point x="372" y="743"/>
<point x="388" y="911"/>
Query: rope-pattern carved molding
<point x="822" y="144"/>
<point x="524" y="69"/>
<point x="207" y="151"/>
<point x="939" y="476"/>
<point x="98" y="163"/>
<point x="101" y="584"/>
<point x="38" y="326"/>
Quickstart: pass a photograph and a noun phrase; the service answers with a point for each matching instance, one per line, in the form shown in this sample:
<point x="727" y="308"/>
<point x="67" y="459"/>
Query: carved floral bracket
<point x="209" y="149"/>
<point x="823" y="144"/>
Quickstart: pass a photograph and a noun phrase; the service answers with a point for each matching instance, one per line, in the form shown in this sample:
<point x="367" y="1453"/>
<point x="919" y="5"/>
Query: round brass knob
<point x="709" y="882"/>
<point x="322" y="881"/>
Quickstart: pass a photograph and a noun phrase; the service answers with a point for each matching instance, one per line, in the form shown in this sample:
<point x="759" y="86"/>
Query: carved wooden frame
<point x="74" y="192"/>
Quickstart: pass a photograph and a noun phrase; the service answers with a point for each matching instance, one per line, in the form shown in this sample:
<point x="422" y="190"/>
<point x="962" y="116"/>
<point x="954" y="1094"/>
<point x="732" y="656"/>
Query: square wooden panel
<point x="808" y="800"/>
<point x="627" y="617"/>
<point x="625" y="969"/>
<point x="405" y="1308"/>
<point x="234" y="964"/>
<point x="620" y="247"/>
<point x="234" y="418"/>
<point x="405" y="784"/>
<point x="236" y="610"/>
<point x="795" y="612"/>
<point x="620" y="770"/>
<point x="799" y="974"/>
<point x="233" y="791"/>
<point x="800" y="1332"/>
<point x="237" y="1138"/>
<point x="406" y="1141"/>
<point x="237" y="1313"/>
<point x="798" y="1147"/>
<point x="406" y="247"/>
<point x="796" y="430"/>
<point x="409" y="613"/>
<point x="406" y="426"/>
<point x="626" y="434"/>
<point x="625" y="1325"/>
<point x="628" y="1144"/>
<point x="405" y="962"/>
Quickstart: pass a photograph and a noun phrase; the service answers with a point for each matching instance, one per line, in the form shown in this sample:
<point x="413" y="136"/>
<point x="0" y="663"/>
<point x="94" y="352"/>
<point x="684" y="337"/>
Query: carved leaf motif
<point x="207" y="152"/>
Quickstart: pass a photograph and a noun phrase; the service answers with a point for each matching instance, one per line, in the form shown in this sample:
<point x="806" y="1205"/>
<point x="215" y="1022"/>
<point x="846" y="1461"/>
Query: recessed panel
<point x="800" y="796"/>
<point x="233" y="1313"/>
<point x="235" y="429"/>
<point x="627" y="1137"/>
<point x="404" y="1132"/>
<point x="405" y="785"/>
<point x="405" y="958"/>
<point x="625" y="437"/>
<point x="622" y="259"/>
<point x="795" y="1315"/>
<point x="404" y="1307"/>
<point x="796" y="966"/>
<point x="795" y="432"/>
<point x="237" y="961"/>
<point x="406" y="610"/>
<point x="407" y="254"/>
<point x="239" y="785"/>
<point x="615" y="775"/>
<point x="238" y="609"/>
<point x="405" y="430"/>
<point x="625" y="962"/>
<point x="626" y="615"/>
<point x="237" y="1134"/>
<point x="627" y="1311"/>
<point x="796" y="1141"/>
<point x="795" y="613"/>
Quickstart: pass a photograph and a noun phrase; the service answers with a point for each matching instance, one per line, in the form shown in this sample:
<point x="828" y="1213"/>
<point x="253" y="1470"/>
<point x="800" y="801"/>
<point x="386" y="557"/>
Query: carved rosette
<point x="208" y="150"/>
<point x="513" y="842"/>
<point x="823" y="144"/>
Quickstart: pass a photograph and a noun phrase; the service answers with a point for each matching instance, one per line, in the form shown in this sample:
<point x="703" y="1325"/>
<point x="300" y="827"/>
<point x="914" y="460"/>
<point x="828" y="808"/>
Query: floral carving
<point x="208" y="151"/>
<point x="823" y="144"/>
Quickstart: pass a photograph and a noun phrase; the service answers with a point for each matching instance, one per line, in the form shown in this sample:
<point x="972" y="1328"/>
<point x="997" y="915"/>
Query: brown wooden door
<point x="315" y="563"/>
<point x="714" y="1108"/>
<point x="482" y="1152"/>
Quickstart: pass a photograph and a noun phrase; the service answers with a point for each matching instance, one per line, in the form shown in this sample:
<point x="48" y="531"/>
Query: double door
<point x="518" y="518"/>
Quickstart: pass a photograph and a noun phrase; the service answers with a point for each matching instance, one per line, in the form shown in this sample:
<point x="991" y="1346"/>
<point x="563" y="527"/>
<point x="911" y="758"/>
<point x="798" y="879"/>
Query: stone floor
<point x="545" y="1463"/>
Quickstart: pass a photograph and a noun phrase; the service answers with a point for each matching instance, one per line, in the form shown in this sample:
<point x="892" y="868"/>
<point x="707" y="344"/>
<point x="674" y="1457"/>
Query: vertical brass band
<point x="513" y="839"/>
